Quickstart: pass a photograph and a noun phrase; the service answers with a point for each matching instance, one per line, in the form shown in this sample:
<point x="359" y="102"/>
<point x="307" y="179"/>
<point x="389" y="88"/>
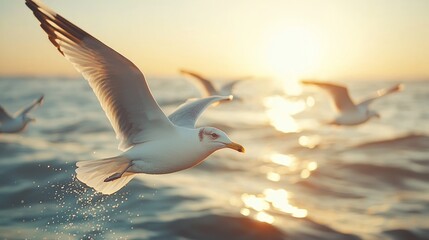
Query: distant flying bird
<point x="151" y="142"/>
<point x="17" y="122"/>
<point x="350" y="113"/>
<point x="207" y="88"/>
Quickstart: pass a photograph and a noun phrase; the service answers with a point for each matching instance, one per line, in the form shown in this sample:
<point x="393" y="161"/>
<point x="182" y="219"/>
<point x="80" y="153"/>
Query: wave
<point x="401" y="234"/>
<point x="410" y="141"/>
<point x="321" y="232"/>
<point x="83" y="126"/>
<point x="10" y="150"/>
<point x="391" y="175"/>
<point x="317" y="188"/>
<point x="213" y="226"/>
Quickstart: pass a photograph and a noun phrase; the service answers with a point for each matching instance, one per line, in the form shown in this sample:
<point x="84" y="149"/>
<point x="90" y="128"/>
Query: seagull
<point x="349" y="113"/>
<point x="206" y="86"/>
<point x="19" y="121"/>
<point x="150" y="142"/>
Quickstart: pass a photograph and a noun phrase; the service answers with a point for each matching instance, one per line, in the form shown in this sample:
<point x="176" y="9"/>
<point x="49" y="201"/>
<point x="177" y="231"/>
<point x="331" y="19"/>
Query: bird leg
<point x="117" y="175"/>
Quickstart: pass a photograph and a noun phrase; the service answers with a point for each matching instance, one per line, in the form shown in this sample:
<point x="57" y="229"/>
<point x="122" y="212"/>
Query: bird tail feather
<point x="94" y="173"/>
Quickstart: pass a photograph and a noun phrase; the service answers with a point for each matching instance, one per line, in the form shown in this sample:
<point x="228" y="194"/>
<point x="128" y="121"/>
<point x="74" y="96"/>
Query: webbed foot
<point x="113" y="177"/>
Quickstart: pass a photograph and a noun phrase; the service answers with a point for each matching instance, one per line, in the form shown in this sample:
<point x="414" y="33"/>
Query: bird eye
<point x="214" y="135"/>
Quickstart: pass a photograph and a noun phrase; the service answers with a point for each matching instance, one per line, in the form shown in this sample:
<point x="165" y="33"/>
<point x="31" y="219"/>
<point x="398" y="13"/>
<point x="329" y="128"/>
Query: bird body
<point x="349" y="113"/>
<point x="14" y="125"/>
<point x="175" y="151"/>
<point x="159" y="157"/>
<point x="151" y="142"/>
<point x="351" y="118"/>
<point x="20" y="120"/>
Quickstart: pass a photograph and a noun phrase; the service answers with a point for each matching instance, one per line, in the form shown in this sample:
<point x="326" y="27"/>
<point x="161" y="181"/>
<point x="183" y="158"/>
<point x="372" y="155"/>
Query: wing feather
<point x="29" y="108"/>
<point x="340" y="95"/>
<point x="188" y="113"/>
<point x="206" y="87"/>
<point x="118" y="84"/>
<point x="381" y="93"/>
<point x="228" y="87"/>
<point x="4" y="116"/>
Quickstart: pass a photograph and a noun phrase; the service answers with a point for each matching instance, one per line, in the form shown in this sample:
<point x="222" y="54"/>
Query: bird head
<point x="216" y="139"/>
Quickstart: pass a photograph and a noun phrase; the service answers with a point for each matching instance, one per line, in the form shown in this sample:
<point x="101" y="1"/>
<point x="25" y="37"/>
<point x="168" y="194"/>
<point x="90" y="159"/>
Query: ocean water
<point x="299" y="179"/>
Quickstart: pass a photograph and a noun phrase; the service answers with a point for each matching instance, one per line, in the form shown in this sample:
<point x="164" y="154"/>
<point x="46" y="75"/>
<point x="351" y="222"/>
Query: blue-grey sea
<point x="299" y="178"/>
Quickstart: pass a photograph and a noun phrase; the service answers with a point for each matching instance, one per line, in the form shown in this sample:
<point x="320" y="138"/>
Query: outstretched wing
<point x="340" y="95"/>
<point x="205" y="86"/>
<point x="186" y="115"/>
<point x="227" y="88"/>
<point x="381" y="93"/>
<point x="118" y="84"/>
<point x="4" y="116"/>
<point x="29" y="108"/>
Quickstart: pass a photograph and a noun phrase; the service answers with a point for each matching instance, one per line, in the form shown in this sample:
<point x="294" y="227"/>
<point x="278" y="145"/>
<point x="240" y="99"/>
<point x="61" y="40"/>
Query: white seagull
<point x="19" y="121"/>
<point x="151" y="142"/>
<point x="349" y="113"/>
<point x="207" y="88"/>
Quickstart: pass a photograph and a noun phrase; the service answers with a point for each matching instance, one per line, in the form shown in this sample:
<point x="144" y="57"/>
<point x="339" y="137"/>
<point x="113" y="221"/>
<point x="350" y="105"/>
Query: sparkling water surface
<point x="299" y="178"/>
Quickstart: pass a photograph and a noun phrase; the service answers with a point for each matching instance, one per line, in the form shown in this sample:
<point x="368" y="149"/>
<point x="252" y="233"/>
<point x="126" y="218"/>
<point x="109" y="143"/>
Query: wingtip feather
<point x="40" y="99"/>
<point x="397" y="87"/>
<point x="306" y="82"/>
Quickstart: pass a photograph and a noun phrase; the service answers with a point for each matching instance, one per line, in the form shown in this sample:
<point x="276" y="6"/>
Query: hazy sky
<point x="332" y="39"/>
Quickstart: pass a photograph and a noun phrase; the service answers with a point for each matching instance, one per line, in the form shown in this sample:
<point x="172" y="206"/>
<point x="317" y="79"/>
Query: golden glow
<point x="272" y="176"/>
<point x="282" y="159"/>
<point x="309" y="141"/>
<point x="292" y="53"/>
<point x="305" y="173"/>
<point x="245" y="211"/>
<point x="285" y="39"/>
<point x="264" y="217"/>
<point x="280" y="200"/>
<point x="254" y="202"/>
<point x="277" y="198"/>
<point x="291" y="85"/>
<point x="291" y="107"/>
<point x="279" y="111"/>
<point x="312" y="166"/>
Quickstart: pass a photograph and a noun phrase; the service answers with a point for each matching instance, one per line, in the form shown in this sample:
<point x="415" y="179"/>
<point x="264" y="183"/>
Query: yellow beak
<point x="236" y="147"/>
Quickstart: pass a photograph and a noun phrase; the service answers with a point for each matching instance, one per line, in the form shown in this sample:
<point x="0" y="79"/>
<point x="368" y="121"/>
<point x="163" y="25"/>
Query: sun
<point x="291" y="54"/>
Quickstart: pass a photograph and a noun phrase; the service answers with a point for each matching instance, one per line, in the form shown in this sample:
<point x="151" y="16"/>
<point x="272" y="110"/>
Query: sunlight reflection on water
<point x="282" y="159"/>
<point x="309" y="141"/>
<point x="280" y="200"/>
<point x="306" y="172"/>
<point x="272" y="176"/>
<point x="270" y="199"/>
<point x="280" y="110"/>
<point x="343" y="197"/>
<point x="264" y="217"/>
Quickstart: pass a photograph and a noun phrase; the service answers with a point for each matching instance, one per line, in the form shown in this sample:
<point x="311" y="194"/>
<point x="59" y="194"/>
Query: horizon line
<point x="167" y="76"/>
